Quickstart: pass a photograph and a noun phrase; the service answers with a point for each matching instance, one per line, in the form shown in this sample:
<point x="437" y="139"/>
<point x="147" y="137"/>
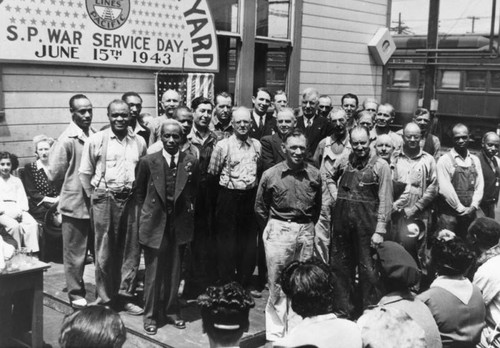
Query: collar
<point x="76" y="132"/>
<point x="488" y="254"/>
<point x="396" y="296"/>
<point x="138" y="128"/>
<point x="130" y="134"/>
<point x="454" y="153"/>
<point x="285" y="168"/>
<point x="168" y="157"/>
<point x="337" y="140"/>
<point x="403" y="154"/>
<point x="218" y="124"/>
<point x="460" y="288"/>
<point x="311" y="119"/>
<point x="240" y="142"/>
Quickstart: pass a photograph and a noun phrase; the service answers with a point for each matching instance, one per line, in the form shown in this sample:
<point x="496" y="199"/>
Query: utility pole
<point x="432" y="41"/>
<point x="473" y="18"/>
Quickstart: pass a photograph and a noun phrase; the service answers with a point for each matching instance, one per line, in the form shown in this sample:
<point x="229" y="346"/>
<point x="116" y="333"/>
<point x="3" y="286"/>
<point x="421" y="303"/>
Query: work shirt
<point x="205" y="147"/>
<point x="487" y="279"/>
<point x="419" y="173"/>
<point x="236" y="162"/>
<point x="218" y="128"/>
<point x="121" y="159"/>
<point x="445" y="170"/>
<point x="330" y="149"/>
<point x="382" y="173"/>
<point x="287" y="194"/>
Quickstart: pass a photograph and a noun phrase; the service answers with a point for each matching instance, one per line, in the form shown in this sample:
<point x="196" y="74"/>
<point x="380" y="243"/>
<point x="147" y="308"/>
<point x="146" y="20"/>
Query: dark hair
<point x="451" y="257"/>
<point x="359" y="128"/>
<point x="265" y="90"/>
<point x="93" y="326"/>
<point x="200" y="100"/>
<point x="422" y="111"/>
<point x="311" y="287"/>
<point x="118" y="102"/>
<point x="224" y="312"/>
<point x="130" y="94"/>
<point x="13" y="159"/>
<point x="349" y="95"/>
<point x="75" y="97"/>
<point x="295" y="133"/>
<point x="223" y="94"/>
<point x="484" y="232"/>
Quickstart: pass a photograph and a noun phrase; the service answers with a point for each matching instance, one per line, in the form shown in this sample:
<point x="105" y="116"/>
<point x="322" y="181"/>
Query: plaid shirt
<point x="236" y="162"/>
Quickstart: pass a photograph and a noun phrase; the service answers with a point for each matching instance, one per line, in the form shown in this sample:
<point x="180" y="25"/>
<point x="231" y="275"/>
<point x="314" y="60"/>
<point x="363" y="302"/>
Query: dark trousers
<point x="75" y="233"/>
<point x="236" y="231"/>
<point x="110" y="218"/>
<point x="131" y="252"/>
<point x="161" y="279"/>
<point x="353" y="227"/>
<point x="455" y="223"/>
<point x="488" y="209"/>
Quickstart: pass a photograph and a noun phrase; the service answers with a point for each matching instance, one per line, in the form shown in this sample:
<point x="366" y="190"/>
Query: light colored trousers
<point x="25" y="232"/>
<point x="284" y="242"/>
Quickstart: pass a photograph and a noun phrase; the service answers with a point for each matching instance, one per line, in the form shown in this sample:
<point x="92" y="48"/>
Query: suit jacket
<point x="267" y="129"/>
<point x="319" y="130"/>
<point x="151" y="196"/>
<point x="272" y="153"/>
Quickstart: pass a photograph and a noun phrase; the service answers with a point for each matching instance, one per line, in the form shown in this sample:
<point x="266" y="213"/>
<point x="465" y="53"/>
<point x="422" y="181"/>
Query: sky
<point x="452" y="14"/>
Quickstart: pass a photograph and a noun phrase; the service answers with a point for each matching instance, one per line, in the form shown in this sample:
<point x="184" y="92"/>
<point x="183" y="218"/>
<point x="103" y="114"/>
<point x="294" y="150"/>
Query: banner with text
<point x="163" y="34"/>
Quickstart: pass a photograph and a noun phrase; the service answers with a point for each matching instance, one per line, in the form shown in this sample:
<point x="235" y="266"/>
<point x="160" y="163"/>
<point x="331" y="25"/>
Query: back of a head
<point x="94" y="326"/>
<point x="484" y="232"/>
<point x="388" y="327"/>
<point x="398" y="269"/>
<point x="224" y="312"/>
<point x="310" y="286"/>
<point x="451" y="257"/>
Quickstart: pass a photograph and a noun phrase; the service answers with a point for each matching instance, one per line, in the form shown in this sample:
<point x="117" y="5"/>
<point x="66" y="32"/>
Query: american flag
<point x="190" y="86"/>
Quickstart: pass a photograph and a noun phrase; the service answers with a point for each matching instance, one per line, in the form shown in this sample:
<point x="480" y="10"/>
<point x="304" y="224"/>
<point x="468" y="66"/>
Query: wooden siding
<point x="334" y="47"/>
<point x="36" y="99"/>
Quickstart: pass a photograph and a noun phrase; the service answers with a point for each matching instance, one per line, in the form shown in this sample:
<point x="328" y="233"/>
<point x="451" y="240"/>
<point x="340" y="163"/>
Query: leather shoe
<point x="150" y="329"/>
<point x="177" y="323"/>
<point x="133" y="309"/>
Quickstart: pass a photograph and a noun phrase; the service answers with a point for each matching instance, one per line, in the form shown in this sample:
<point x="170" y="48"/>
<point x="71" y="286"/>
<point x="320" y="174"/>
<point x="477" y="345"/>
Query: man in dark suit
<point x="314" y="127"/>
<point x="166" y="190"/>
<point x="272" y="151"/>
<point x="262" y="123"/>
<point x="491" y="173"/>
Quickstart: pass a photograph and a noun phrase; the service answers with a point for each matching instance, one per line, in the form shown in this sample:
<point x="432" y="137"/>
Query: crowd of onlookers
<point x="364" y="236"/>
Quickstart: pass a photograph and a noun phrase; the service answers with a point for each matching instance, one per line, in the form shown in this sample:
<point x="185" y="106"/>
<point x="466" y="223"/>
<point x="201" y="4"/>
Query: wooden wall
<point x="334" y="47"/>
<point x="36" y="99"/>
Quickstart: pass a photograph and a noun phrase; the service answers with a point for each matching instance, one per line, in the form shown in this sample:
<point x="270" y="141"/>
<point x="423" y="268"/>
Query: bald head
<point x="241" y="120"/>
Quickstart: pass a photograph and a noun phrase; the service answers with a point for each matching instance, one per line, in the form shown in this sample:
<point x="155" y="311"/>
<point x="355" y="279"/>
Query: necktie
<point x="261" y="121"/>
<point x="172" y="162"/>
<point x="309" y="122"/>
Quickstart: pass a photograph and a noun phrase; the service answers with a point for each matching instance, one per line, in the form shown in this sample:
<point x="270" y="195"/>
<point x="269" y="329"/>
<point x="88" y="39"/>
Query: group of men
<point x="209" y="192"/>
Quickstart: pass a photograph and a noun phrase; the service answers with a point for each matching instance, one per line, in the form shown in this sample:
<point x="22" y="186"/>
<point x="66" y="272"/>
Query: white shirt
<point x="168" y="157"/>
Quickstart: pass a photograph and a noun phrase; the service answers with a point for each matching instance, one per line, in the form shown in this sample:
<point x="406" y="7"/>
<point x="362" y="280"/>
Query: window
<point x="495" y="80"/>
<point x="273" y="19"/>
<point x="450" y="79"/>
<point x="228" y="56"/>
<point x="225" y="14"/>
<point x="475" y="80"/>
<point x="271" y="62"/>
<point x="401" y="78"/>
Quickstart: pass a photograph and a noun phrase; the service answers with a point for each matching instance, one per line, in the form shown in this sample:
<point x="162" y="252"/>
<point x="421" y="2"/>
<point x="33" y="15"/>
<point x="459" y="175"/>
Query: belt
<point x="119" y="194"/>
<point x="298" y="220"/>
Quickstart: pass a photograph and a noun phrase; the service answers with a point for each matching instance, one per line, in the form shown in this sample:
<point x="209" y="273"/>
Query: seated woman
<point x="14" y="216"/>
<point x="455" y="303"/>
<point x="41" y="193"/>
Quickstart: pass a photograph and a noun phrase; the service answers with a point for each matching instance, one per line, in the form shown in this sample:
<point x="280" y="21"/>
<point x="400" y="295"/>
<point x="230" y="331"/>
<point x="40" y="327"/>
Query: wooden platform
<point x="56" y="297"/>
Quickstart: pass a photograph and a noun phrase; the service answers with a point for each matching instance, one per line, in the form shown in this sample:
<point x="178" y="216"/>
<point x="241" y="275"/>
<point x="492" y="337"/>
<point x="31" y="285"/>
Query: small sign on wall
<point x="382" y="46"/>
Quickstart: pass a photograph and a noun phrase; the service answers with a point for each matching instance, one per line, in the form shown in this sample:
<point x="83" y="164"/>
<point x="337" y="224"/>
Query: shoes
<point x="177" y="323"/>
<point x="79" y="304"/>
<point x="256" y="293"/>
<point x="151" y="329"/>
<point x="133" y="309"/>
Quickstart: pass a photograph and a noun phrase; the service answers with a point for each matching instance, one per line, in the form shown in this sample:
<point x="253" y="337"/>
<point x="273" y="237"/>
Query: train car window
<point x="450" y="79"/>
<point x="495" y="80"/>
<point x="475" y="80"/>
<point x="401" y="78"/>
